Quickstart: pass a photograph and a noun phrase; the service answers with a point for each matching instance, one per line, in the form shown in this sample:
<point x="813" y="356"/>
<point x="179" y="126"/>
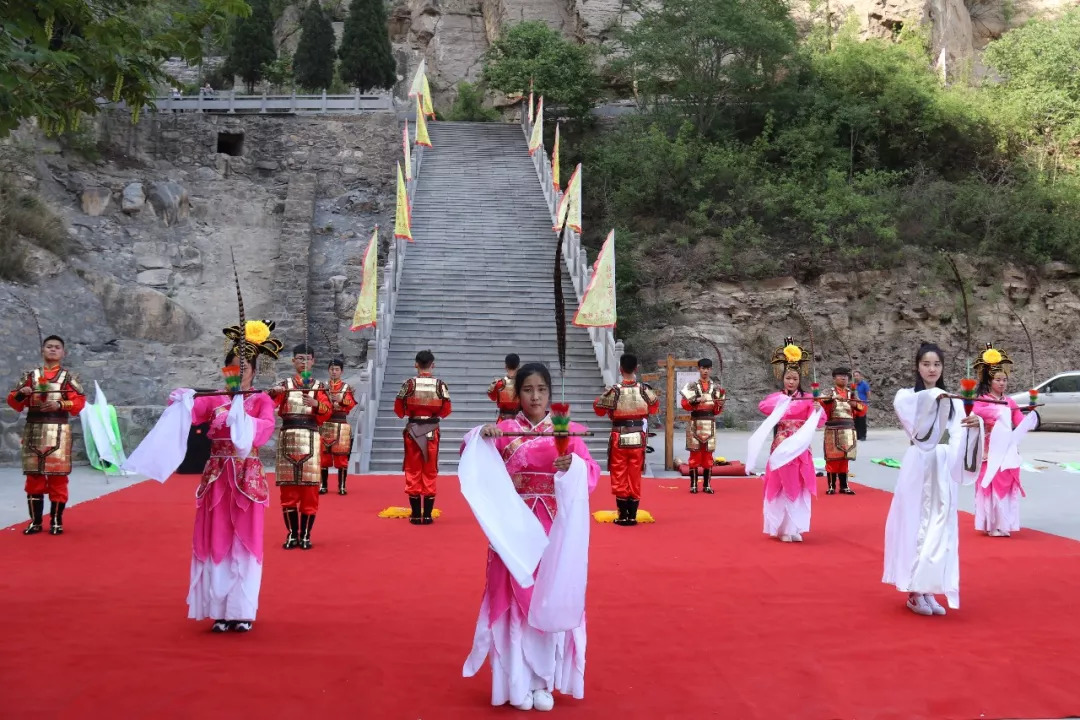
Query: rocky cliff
<point x="147" y="286"/>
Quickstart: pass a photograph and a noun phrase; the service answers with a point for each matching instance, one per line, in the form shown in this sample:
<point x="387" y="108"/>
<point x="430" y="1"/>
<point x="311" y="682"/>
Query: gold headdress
<point x="256" y="339"/>
<point x="789" y="356"/>
<point x="991" y="361"/>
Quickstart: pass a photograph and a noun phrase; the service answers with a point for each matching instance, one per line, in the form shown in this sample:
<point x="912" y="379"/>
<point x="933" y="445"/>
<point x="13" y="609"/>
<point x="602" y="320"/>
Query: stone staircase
<point x="477" y="284"/>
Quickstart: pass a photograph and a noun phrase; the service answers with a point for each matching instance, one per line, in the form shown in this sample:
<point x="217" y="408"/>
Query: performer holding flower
<point x="522" y="488"/>
<point x="336" y="432"/>
<point x="51" y="395"/>
<point x="793" y="417"/>
<point x="921" y="534"/>
<point x="704" y="400"/>
<point x="997" y="489"/>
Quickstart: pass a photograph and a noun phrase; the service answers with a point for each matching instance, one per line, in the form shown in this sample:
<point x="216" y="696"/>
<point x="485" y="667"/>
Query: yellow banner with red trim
<point x="365" y="314"/>
<point x="598" y="305"/>
<point x="403" y="218"/>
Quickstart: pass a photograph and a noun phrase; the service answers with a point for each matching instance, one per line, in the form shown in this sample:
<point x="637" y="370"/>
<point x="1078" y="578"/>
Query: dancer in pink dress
<point x="997" y="499"/>
<point x="529" y="662"/>
<point x="793" y="417"/>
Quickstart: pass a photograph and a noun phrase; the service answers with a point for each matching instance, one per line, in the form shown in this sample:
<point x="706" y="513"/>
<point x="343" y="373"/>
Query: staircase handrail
<point x="371" y="377"/>
<point x="608" y="350"/>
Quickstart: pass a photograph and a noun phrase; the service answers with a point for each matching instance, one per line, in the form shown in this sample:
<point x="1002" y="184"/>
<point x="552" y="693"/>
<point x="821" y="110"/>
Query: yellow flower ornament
<point x="256" y="332"/>
<point x="792" y="353"/>
<point x="992" y="357"/>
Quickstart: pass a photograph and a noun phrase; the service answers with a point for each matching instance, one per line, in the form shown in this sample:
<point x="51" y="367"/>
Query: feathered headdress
<point x="255" y="339"/>
<point x="789" y="356"/>
<point x="992" y="361"/>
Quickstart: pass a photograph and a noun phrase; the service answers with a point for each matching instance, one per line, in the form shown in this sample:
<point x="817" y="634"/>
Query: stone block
<point x="95" y="199"/>
<point x="155" y="278"/>
<point x="170" y="201"/>
<point x="133" y="198"/>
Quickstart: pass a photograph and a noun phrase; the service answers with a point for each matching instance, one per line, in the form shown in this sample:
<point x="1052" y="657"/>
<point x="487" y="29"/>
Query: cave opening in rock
<point x="230" y="143"/>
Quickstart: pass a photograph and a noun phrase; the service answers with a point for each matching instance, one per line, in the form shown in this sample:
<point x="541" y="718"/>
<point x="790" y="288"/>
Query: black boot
<point x="705" y="482"/>
<point x="324" y="473"/>
<point x="693" y="481"/>
<point x="306" y="523"/>
<point x="832" y="484"/>
<point x="631" y="510"/>
<point x="56" y="515"/>
<point x="342" y="475"/>
<point x="292" y="525"/>
<point x="843" y="485"/>
<point x="620" y="503"/>
<point x="36" y="505"/>
<point x="429" y="507"/>
<point x="414" y="503"/>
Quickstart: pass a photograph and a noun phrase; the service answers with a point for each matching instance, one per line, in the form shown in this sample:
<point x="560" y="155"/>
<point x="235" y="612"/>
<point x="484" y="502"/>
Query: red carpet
<point x="698" y="615"/>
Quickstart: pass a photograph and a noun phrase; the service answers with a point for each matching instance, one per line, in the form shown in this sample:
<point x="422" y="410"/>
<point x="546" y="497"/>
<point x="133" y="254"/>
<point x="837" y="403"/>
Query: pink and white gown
<point x="524" y="657"/>
<point x="790" y="479"/>
<point x="230" y="503"/>
<point x="997" y="499"/>
<point x="922" y="538"/>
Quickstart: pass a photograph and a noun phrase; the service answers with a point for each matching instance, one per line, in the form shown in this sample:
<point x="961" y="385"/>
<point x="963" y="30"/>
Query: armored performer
<point x="336" y="432"/>
<point x="425" y="400"/>
<point x="501" y="391"/>
<point x="629" y="404"/>
<point x="304" y="406"/>
<point x="841" y="407"/>
<point x="51" y="395"/>
<point x="704" y="399"/>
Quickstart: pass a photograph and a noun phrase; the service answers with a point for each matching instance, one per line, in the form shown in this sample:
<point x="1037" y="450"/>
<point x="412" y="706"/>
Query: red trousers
<point x="836" y="466"/>
<point x="55" y="486"/>
<point x="326" y="461"/>
<point x="419" y="475"/>
<point x="624" y="464"/>
<point x="701" y="459"/>
<point x="305" y="497"/>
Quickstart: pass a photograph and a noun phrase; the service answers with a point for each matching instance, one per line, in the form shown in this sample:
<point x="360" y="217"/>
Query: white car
<point x="1060" y="399"/>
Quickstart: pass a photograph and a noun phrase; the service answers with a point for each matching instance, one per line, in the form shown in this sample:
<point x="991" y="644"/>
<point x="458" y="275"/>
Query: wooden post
<point x="669" y="419"/>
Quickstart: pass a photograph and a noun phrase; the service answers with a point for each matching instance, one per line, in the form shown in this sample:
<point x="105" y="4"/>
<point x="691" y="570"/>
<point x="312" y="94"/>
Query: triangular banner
<point x="364" y="317"/>
<point x="403" y="219"/>
<point x="422" y="137"/>
<point x="555" y="160"/>
<point x="598" y="305"/>
<point x="569" y="211"/>
<point x="532" y="117"/>
<point x="537" y="138"/>
<point x="429" y="109"/>
<point x="417" y="85"/>
<point x="408" y="151"/>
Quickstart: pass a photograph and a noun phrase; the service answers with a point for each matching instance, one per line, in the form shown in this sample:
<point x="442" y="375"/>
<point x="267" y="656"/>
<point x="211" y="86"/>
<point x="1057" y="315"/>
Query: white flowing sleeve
<point x="798" y="443"/>
<point x="511" y="528"/>
<point x="558" y="601"/>
<point x="924" y="419"/>
<point x="164" y="448"/>
<point x="757" y="440"/>
<point x="1004" y="444"/>
<point x="241" y="427"/>
<point x="965" y="451"/>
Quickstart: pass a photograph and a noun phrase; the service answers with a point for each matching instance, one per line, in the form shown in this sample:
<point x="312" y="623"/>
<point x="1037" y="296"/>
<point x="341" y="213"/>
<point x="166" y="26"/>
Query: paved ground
<point x="1053" y="495"/>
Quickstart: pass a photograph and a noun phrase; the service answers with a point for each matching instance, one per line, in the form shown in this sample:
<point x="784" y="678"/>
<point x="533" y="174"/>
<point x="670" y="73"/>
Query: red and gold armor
<point x="704" y="399"/>
<point x="841" y="408"/>
<point x="424" y="400"/>
<point x="501" y="392"/>
<point x="336" y="432"/>
<point x="299" y="442"/>
<point x="628" y="404"/>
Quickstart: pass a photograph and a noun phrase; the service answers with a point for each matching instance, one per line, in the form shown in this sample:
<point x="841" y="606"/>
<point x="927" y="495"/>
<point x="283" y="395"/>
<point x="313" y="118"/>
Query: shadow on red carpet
<point x="698" y="615"/>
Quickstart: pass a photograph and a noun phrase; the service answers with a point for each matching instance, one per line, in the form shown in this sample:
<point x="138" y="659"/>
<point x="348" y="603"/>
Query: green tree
<point x="59" y="57"/>
<point x="366" y="59"/>
<point x="279" y="73"/>
<point x="313" y="65"/>
<point x="701" y="56"/>
<point x="252" y="45"/>
<point x="560" y="70"/>
<point x="469" y="105"/>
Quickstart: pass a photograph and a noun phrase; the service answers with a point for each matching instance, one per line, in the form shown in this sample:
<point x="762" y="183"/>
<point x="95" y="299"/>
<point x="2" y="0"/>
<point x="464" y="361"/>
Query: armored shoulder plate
<point x="443" y="390"/>
<point x="648" y="393"/>
<point x="407" y="389"/>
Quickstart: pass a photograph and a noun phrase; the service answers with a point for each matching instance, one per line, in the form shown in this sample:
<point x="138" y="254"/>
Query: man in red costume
<point x="425" y="400"/>
<point x="704" y="400"/>
<point x="841" y="407"/>
<point x="628" y="404"/>
<point x="303" y="405"/>
<point x="501" y="391"/>
<point x="51" y="395"/>
<point x="336" y="432"/>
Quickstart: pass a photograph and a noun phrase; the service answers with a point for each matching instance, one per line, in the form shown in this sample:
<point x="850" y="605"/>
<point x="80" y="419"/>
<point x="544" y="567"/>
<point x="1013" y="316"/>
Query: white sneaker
<point x="785" y="538"/>
<point x="918" y="605"/>
<point x="526" y="704"/>
<point x="994" y="533"/>
<point x="796" y="537"/>
<point x="543" y="700"/>
<point x="935" y="606"/>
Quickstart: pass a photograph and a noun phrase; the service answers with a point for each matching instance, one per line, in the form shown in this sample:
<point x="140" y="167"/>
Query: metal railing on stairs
<point x="369" y="385"/>
<point x="608" y="350"/>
